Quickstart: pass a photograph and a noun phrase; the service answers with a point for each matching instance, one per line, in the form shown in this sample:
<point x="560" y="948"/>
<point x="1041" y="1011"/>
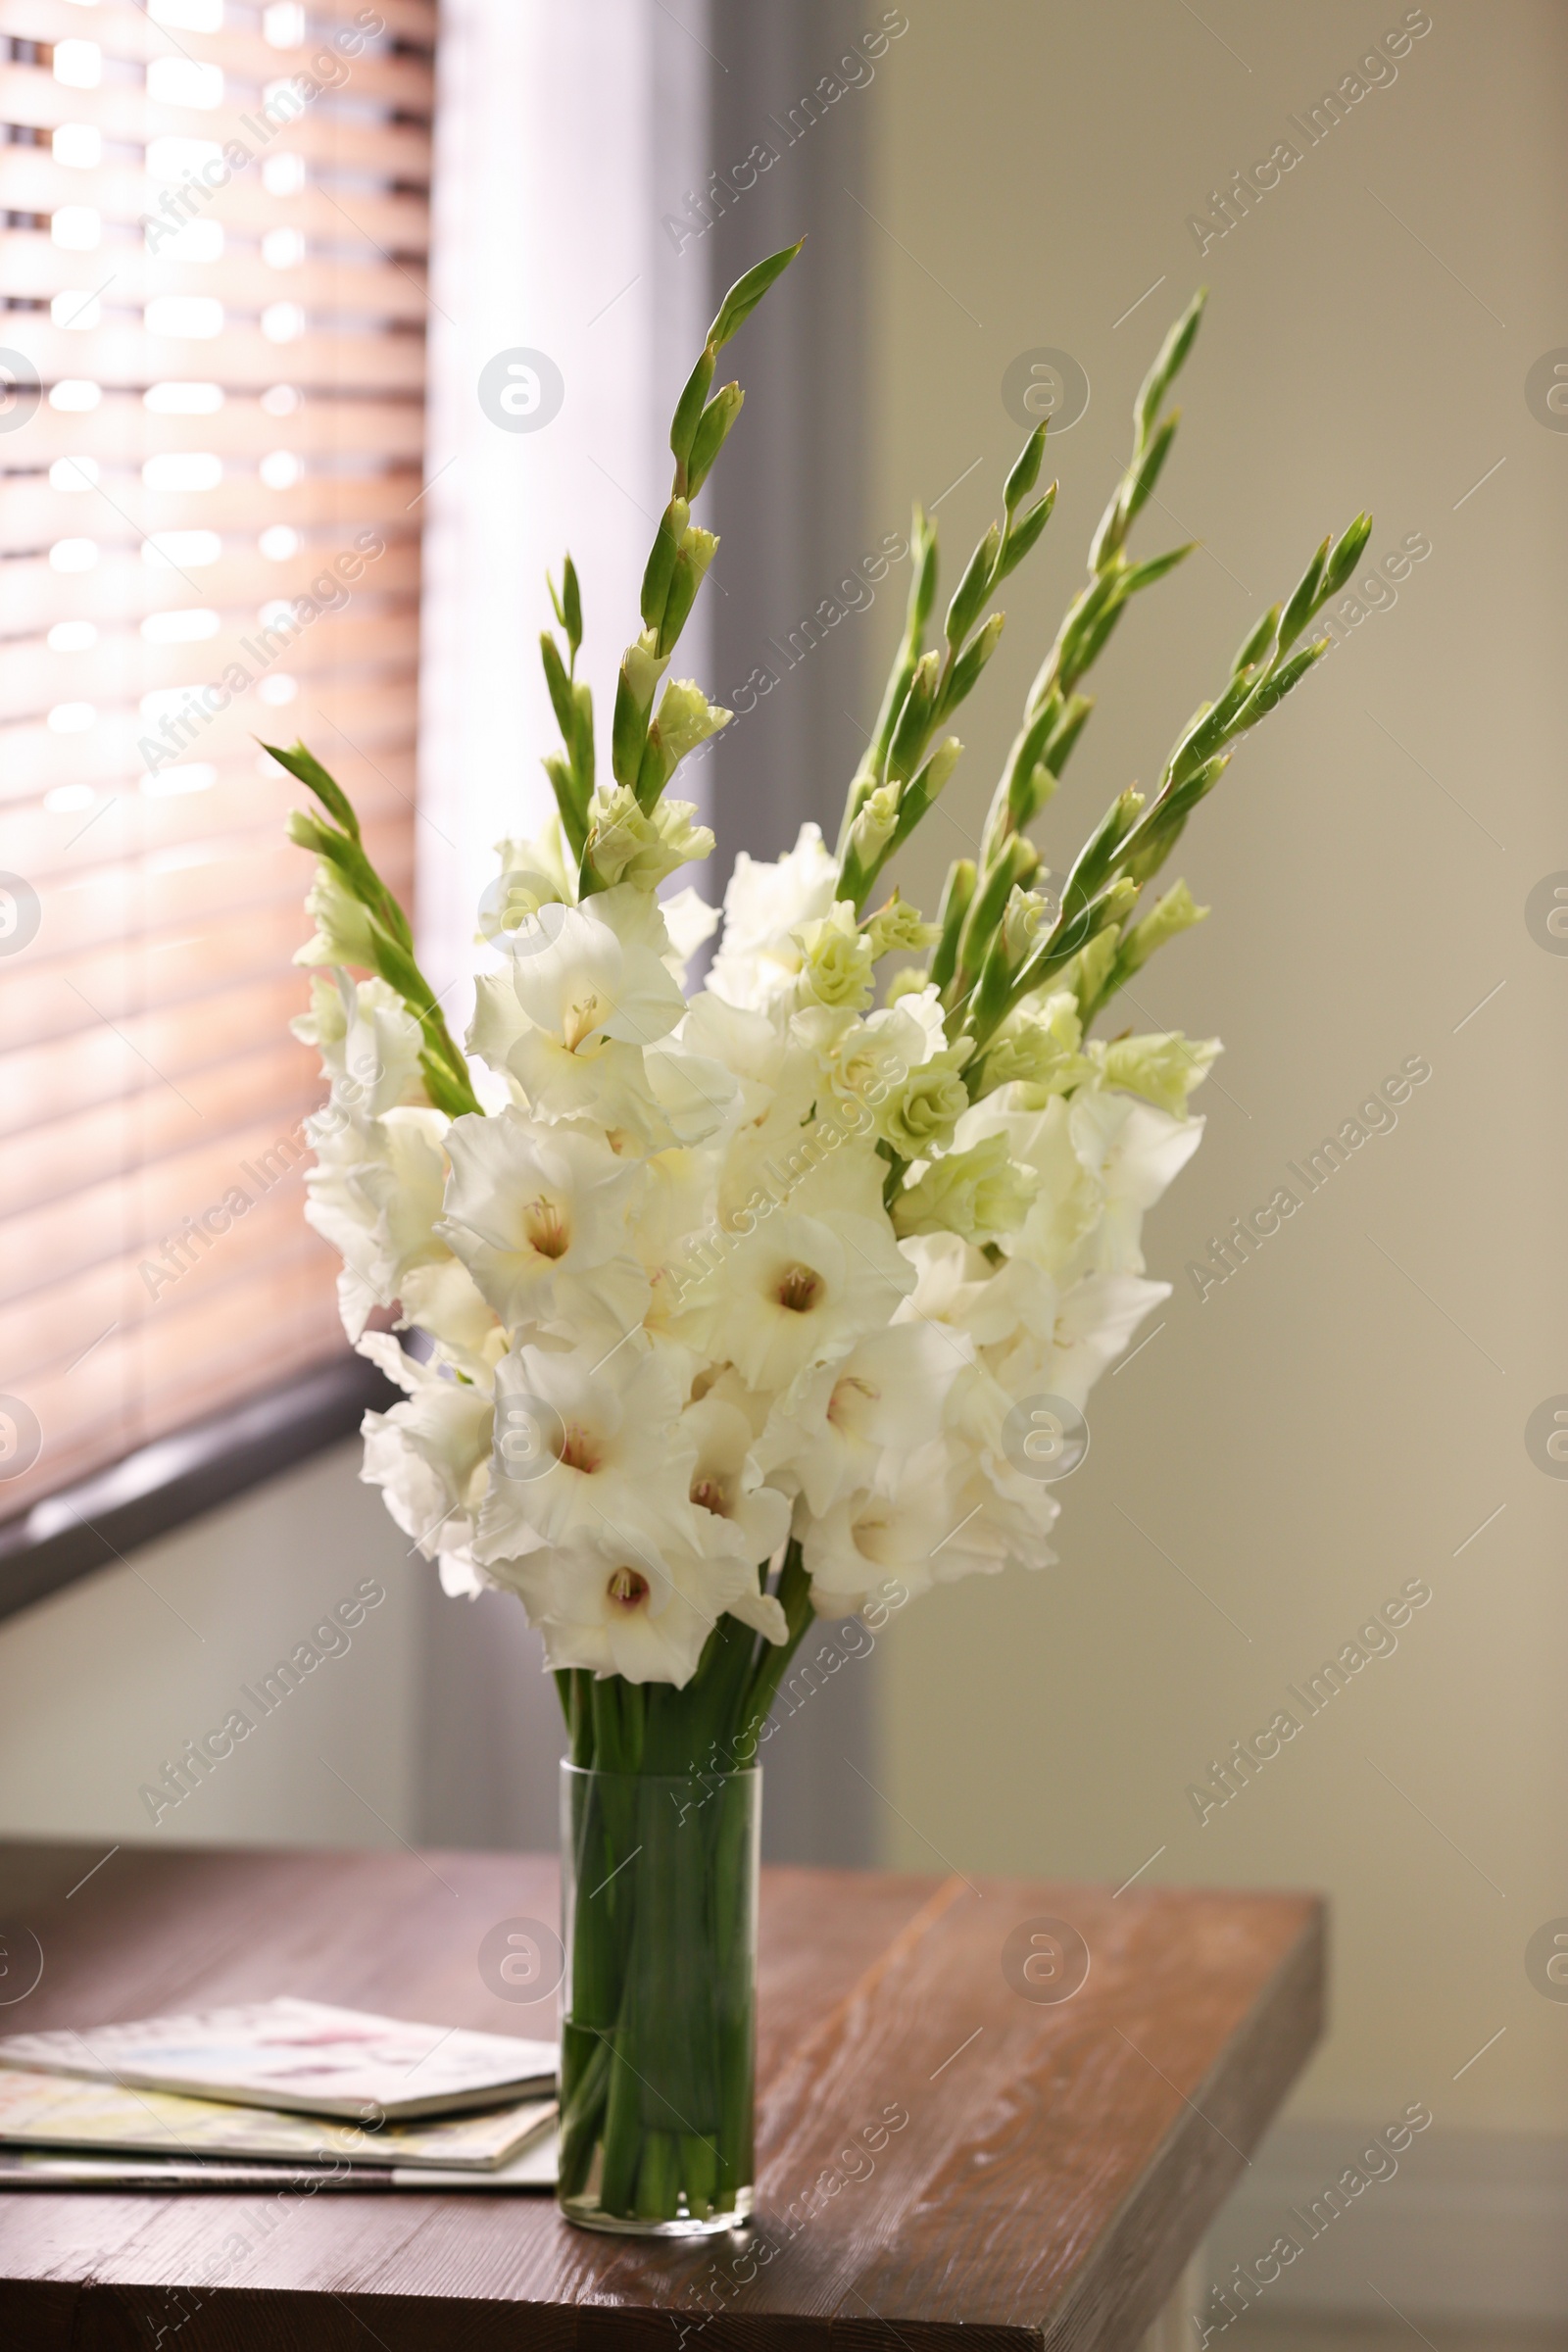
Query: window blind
<point x="213" y="239"/>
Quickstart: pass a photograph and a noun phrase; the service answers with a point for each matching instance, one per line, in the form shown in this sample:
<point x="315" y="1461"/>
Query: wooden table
<point x="1058" y="2164"/>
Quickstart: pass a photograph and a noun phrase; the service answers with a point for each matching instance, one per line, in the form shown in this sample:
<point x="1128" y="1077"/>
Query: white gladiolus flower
<point x="828" y="1433"/>
<point x="736" y="1514"/>
<point x="728" y="1288"/>
<point x="909" y="1526"/>
<point x="636" y="846"/>
<point x="585" y="982"/>
<point x="375" y="1194"/>
<point x="442" y="1300"/>
<point x="794" y="1292"/>
<point x="1133" y="1151"/>
<point x="764" y="906"/>
<point x="690" y="922"/>
<point x="539" y="1217"/>
<point x="568" y="1017"/>
<point x="638" y="1611"/>
<point x="369" y="1042"/>
<point x="587" y="1451"/>
<point x="1070" y="1198"/>
<point x="430" y="1455"/>
<point x="697" y="1097"/>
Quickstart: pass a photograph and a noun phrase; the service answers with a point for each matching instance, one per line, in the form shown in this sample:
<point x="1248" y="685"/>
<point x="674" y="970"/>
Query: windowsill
<point x="92" y="1525"/>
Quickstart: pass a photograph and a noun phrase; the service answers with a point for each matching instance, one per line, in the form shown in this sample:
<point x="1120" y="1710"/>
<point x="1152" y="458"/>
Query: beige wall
<point x="1329" y="1424"/>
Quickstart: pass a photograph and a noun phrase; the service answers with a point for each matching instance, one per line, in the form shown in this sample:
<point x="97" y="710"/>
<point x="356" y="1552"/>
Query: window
<point x="212" y="376"/>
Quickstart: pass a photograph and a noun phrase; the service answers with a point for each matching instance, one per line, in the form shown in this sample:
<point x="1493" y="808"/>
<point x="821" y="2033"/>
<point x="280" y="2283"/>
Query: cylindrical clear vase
<point x="658" y="2002"/>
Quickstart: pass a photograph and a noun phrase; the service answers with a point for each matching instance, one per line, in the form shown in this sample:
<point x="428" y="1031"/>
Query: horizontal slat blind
<point x="214" y="220"/>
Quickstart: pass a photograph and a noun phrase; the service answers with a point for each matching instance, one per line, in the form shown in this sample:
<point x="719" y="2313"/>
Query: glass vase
<point x="658" y="2001"/>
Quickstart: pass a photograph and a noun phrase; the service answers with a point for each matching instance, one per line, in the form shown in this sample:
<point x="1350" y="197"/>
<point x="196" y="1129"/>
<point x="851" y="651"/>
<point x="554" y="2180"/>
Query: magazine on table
<point x="63" y="2112"/>
<point x="302" y="2056"/>
<point x="70" y="2168"/>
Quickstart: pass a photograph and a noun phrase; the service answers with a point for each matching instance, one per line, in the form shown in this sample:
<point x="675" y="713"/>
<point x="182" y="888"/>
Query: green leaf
<point x="559" y="686"/>
<point x="571" y="599"/>
<point x="1289" y="673"/>
<point x="1145" y="574"/>
<point x="1074" y="718"/>
<point x="689" y="409"/>
<point x="1023" y="535"/>
<point x="1026" y="473"/>
<point x="1169" y="364"/>
<point x="966" y="669"/>
<point x="914" y="721"/>
<point x="628" y="731"/>
<point x="1141" y="488"/>
<point x="582" y="739"/>
<point x="684" y="583"/>
<point x="1304" y="599"/>
<point x="309" y="769"/>
<point x="713" y="432"/>
<point x="923" y="579"/>
<point x="1255" y="644"/>
<point x="1027" y="753"/>
<point x="747" y="292"/>
<point x="662" y="561"/>
<point x="1346" y="557"/>
<point x="563" y="786"/>
<point x="957" y="893"/>
<point x="968" y="598"/>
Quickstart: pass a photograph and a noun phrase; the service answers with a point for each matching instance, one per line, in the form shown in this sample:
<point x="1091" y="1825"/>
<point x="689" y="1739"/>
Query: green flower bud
<point x="1167" y="918"/>
<point x="899" y="926"/>
<point x="686" y="718"/>
<point x="979" y="1194"/>
<point x="1163" y="1068"/>
<point x="874" y="827"/>
<point x="1021" y="923"/>
<point x="921" y="1117"/>
<point x="627" y="842"/>
<point x="836" y="958"/>
<point x="1038" y="1048"/>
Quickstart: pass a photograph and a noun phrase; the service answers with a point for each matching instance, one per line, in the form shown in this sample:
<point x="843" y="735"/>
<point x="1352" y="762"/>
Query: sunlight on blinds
<point x="212" y="236"/>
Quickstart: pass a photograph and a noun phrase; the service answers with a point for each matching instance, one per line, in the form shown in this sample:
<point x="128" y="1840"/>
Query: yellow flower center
<point x="799" y="1288"/>
<point x="545" y="1228"/>
<point x="582" y="1020"/>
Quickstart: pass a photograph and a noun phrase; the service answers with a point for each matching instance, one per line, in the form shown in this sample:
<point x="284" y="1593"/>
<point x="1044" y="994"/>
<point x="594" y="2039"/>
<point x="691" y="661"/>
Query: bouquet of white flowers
<point x="769" y="1299"/>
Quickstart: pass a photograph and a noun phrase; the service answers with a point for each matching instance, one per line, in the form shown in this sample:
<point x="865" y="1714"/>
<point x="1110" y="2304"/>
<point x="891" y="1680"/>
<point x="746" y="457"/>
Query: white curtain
<point x="559" y="130"/>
